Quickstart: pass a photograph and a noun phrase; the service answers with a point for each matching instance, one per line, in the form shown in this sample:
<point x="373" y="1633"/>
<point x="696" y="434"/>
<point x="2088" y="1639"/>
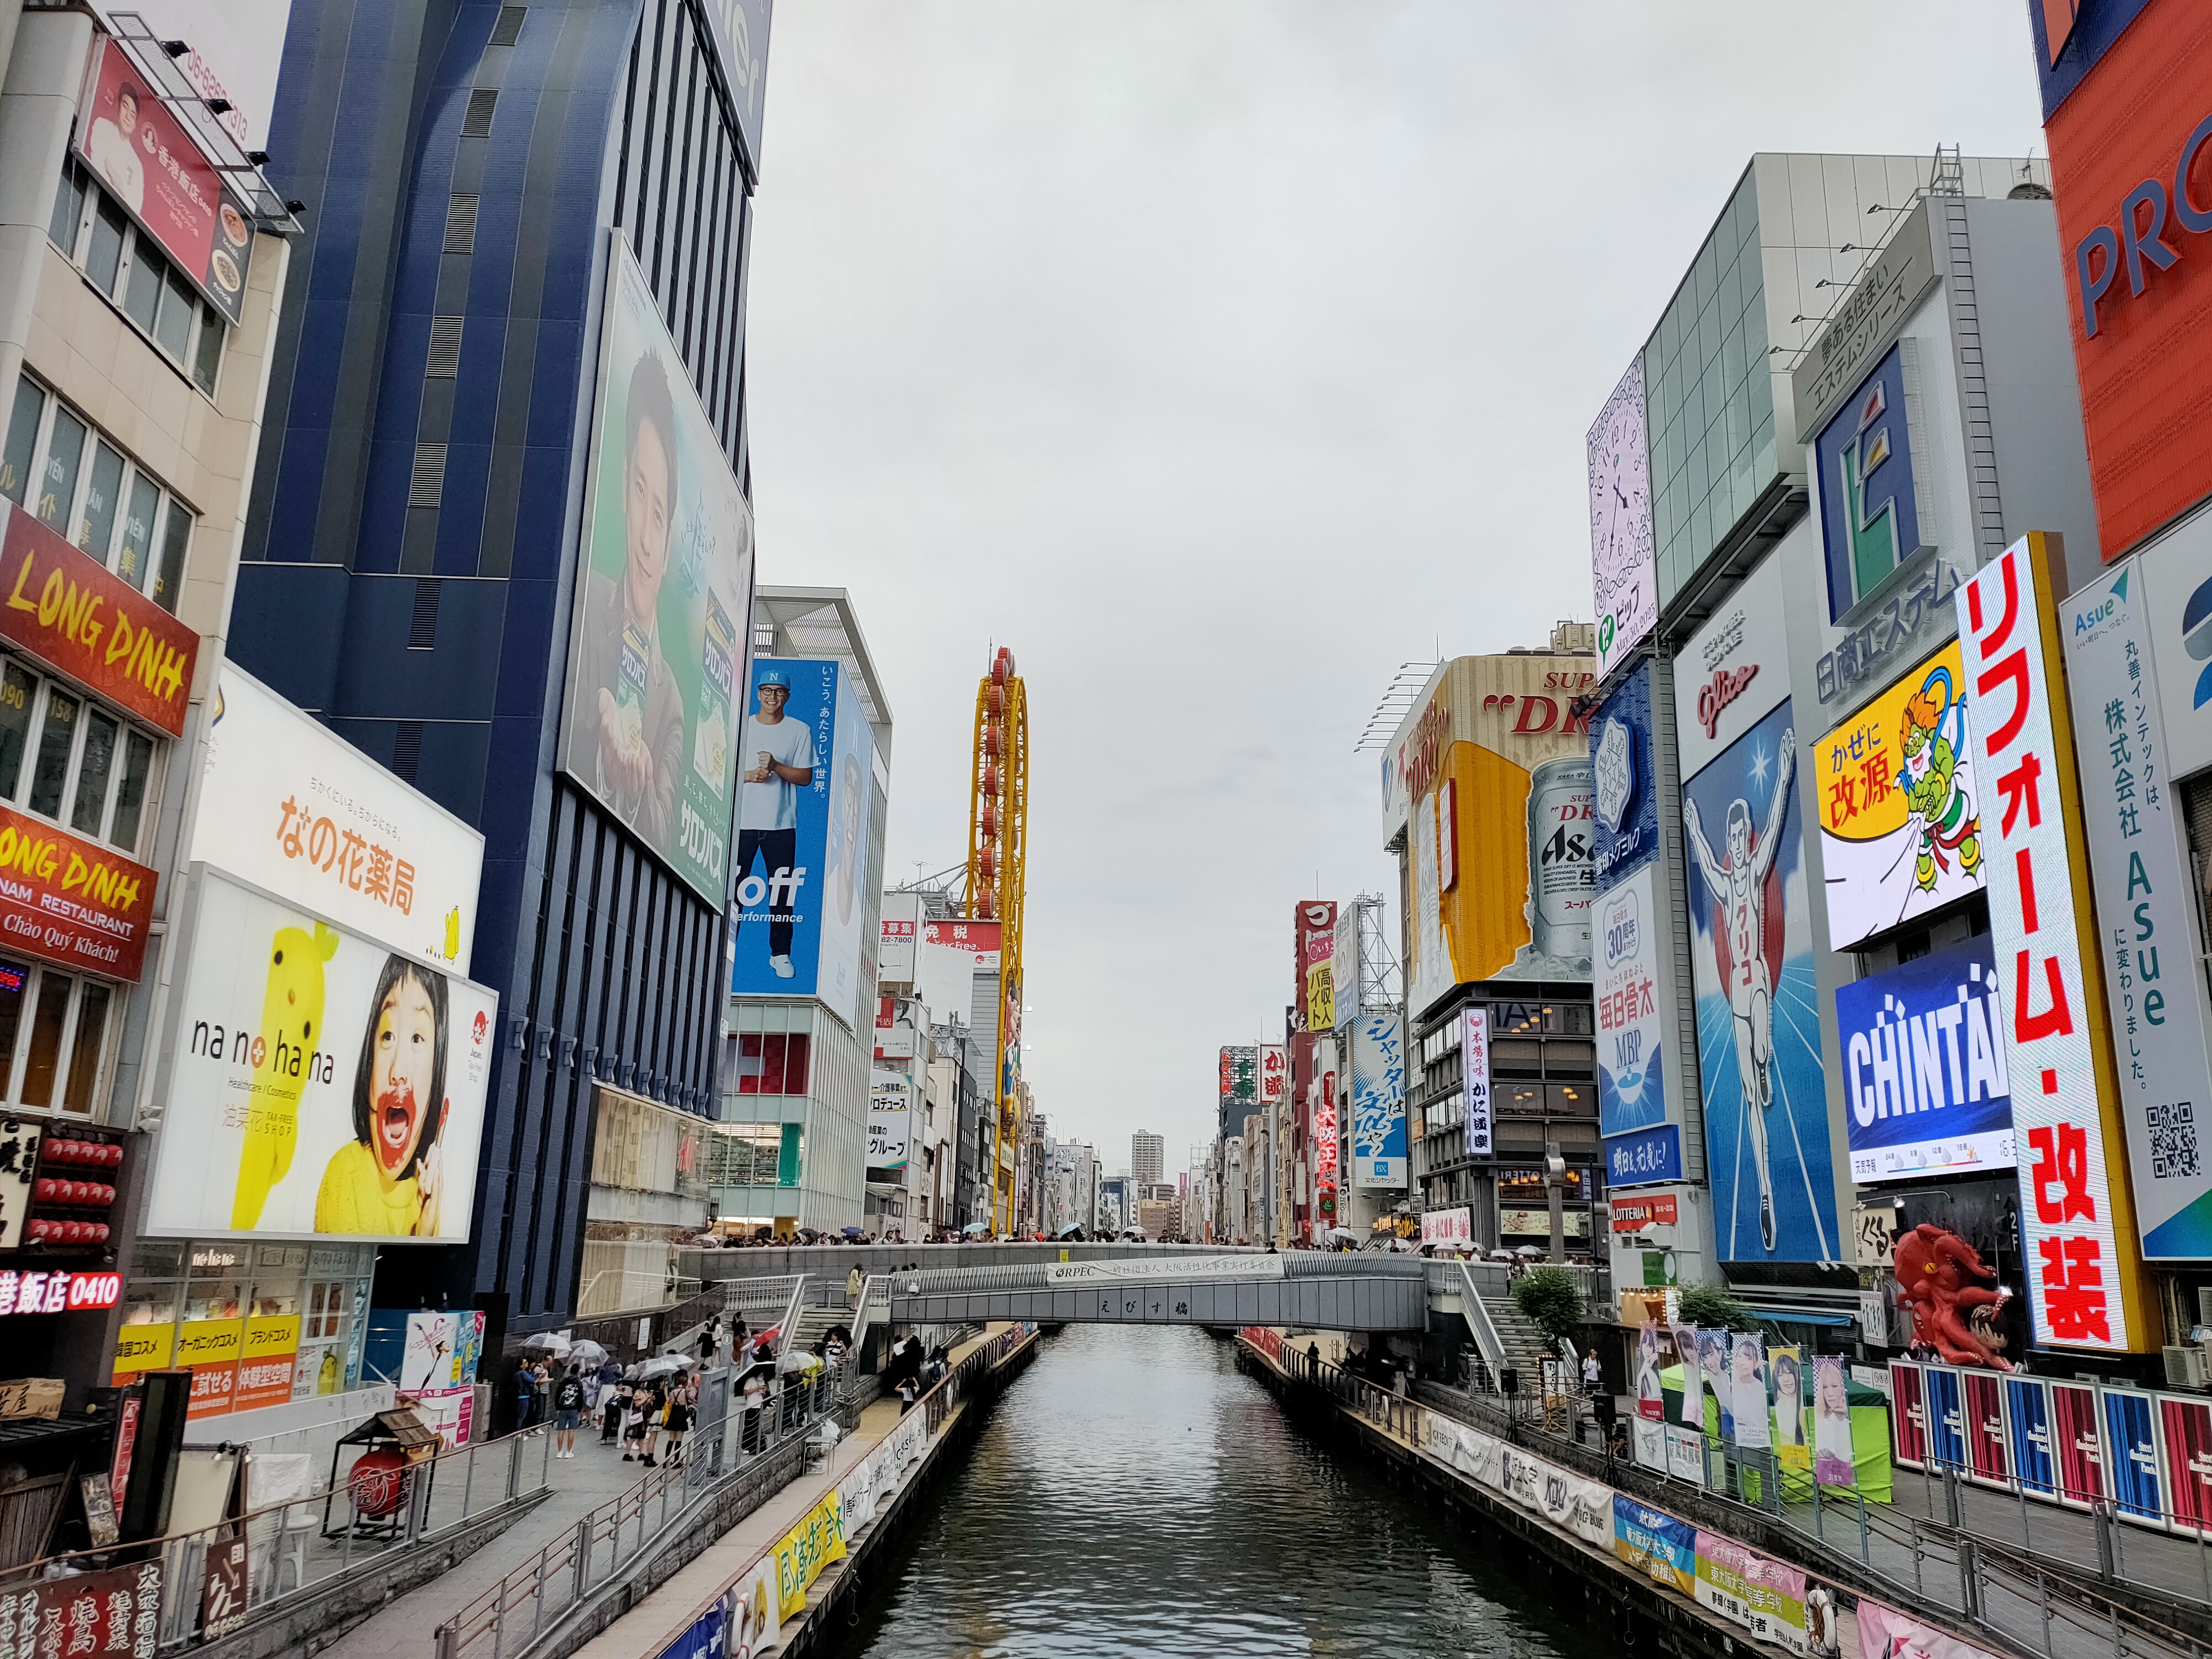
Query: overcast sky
<point x="1219" y="357"/>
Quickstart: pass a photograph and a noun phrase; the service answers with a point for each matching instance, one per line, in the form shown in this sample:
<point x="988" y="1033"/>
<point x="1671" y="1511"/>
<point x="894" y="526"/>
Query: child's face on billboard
<point x="406" y="1053"/>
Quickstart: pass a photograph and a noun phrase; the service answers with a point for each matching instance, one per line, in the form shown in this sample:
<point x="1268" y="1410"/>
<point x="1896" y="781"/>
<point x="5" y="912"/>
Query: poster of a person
<point x="1713" y="1362"/>
<point x="109" y="145"/>
<point x="1833" y="1462"/>
<point x="1691" y="1408"/>
<point x="639" y="718"/>
<point x="1749" y="1378"/>
<point x="1651" y="1399"/>
<point x="1786" y="1368"/>
<point x="779" y="759"/>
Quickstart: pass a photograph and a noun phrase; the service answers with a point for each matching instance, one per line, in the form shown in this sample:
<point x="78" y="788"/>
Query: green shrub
<point x="1551" y="1299"/>
<point x="1709" y="1308"/>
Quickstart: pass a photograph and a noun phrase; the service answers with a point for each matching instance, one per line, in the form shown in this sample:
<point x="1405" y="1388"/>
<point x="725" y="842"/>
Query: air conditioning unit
<point x="2186" y="1367"/>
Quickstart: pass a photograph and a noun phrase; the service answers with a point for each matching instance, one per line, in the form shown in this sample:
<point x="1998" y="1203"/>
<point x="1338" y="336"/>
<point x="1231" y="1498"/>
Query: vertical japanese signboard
<point x="1378" y="1101"/>
<point x="1316" y="963"/>
<point x="1274" y="1069"/>
<point x="2085" y="1278"/>
<point x="2139" y="867"/>
<point x="1475" y="1078"/>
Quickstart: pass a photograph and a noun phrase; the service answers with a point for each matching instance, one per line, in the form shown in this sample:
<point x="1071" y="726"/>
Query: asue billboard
<point x="1925" y="1072"/>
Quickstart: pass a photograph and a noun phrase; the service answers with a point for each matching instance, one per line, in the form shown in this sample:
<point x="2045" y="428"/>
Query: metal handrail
<point x="873" y="1286"/>
<point x="789" y="1327"/>
<point x="566" y="1569"/>
<point x="1487" y="1338"/>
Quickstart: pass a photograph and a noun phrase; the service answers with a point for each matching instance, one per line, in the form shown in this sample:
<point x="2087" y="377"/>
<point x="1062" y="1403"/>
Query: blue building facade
<point x="411" y="546"/>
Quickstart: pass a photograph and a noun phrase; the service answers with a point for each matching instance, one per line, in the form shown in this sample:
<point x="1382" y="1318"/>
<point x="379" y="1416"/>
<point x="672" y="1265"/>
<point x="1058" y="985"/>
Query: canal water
<point x="1134" y="1494"/>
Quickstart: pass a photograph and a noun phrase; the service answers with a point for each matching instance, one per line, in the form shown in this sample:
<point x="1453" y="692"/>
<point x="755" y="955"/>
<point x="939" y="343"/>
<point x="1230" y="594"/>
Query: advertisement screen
<point x="1759" y="1021"/>
<point x="1314" y="928"/>
<point x="1631" y="1082"/>
<point x="1901" y="817"/>
<point x="2128" y="167"/>
<point x="803" y="836"/>
<point x="1925" y="1069"/>
<point x="1378" y="1101"/>
<point x="1621" y="790"/>
<point x="308" y="816"/>
<point x="2147" y="897"/>
<point x="1624" y="578"/>
<point x="889" y="1096"/>
<point x="1497" y="768"/>
<point x="146" y="160"/>
<point x="319" y="1083"/>
<point x="2086" y="1284"/>
<point x="663" y="602"/>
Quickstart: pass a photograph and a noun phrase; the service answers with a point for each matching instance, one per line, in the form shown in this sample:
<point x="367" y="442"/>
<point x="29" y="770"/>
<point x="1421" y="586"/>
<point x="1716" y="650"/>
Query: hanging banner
<point x="1786" y="1406"/>
<point x="1748" y="1378"/>
<point x="812" y="1545"/>
<point x="1654" y="1543"/>
<point x="1475" y="1078"/>
<point x="1764" y="1596"/>
<point x="2085" y="1278"/>
<point x="1833" y="1456"/>
<point x="1378" y="1101"/>
<point x="2147" y="898"/>
<point x="1885" y="1631"/>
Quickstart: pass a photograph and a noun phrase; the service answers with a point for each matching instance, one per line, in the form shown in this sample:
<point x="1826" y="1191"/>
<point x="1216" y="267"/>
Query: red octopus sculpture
<point x="1949" y="1315"/>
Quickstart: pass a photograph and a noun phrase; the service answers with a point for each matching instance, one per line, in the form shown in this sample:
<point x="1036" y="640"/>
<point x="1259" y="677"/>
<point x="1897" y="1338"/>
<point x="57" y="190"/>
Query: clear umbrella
<point x="548" y="1342"/>
<point x="664" y="1364"/>
<point x="588" y="1354"/>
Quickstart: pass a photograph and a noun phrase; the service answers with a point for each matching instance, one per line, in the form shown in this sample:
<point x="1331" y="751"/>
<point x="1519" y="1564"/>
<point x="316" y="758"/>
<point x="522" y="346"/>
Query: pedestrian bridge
<point x="1357" y="1291"/>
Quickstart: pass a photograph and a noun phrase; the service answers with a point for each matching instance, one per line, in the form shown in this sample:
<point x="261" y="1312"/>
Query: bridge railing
<point x="753" y="1456"/>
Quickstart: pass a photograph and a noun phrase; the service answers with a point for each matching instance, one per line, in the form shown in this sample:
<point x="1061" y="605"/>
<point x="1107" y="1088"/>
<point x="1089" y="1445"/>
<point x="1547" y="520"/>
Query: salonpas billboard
<point x="319" y="1085"/>
<point x="664" y="589"/>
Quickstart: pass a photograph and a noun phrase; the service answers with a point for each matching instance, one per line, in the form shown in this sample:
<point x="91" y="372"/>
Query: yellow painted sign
<point x="144" y="1348"/>
<point x="210" y="1342"/>
<point x="268" y="1336"/>
<point x="807" y="1548"/>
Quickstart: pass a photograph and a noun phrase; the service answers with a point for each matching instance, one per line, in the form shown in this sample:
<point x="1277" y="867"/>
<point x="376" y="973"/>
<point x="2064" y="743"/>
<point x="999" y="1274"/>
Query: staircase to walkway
<point x="1525" y="1345"/>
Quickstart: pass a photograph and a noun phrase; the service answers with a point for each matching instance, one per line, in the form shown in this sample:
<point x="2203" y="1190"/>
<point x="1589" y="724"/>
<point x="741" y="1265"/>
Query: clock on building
<point x="1623" y="583"/>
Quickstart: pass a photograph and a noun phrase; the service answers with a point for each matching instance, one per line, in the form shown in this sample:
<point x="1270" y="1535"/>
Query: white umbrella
<point x="551" y="1342"/>
<point x="588" y="1354"/>
<point x="663" y="1365"/>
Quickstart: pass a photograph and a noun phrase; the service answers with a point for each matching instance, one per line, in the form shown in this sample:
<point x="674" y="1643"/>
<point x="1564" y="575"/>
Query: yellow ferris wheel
<point x="997" y="842"/>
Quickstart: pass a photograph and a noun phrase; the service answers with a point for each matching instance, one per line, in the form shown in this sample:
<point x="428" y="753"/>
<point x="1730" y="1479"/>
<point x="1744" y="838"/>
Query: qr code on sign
<point x="2173" y="1142"/>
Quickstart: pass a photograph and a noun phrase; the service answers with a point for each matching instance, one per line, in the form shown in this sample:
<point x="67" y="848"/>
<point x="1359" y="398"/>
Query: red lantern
<point x="44" y="1188"/>
<point x="100" y="1232"/>
<point x="377" y="1484"/>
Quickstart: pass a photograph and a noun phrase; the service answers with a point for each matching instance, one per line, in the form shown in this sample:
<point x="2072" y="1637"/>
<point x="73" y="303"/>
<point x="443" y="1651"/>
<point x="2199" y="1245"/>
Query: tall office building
<point x="803" y="1078"/>
<point x="521" y="290"/>
<point x="1148" y="1157"/>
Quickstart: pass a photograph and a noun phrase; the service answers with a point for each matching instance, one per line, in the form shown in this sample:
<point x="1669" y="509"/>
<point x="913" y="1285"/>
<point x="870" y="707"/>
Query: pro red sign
<point x="72" y="901"/>
<point x="148" y="161"/>
<point x="66" y="609"/>
<point x="2131" y="168"/>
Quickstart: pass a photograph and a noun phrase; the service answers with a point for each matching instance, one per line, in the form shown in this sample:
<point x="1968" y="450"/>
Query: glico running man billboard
<point x="1751" y="928"/>
<point x="664" y="591"/>
<point x="802" y="842"/>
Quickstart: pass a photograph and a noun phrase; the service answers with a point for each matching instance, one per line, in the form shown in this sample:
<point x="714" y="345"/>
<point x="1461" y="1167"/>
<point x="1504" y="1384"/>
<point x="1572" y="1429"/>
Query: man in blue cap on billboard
<point x="781" y="753"/>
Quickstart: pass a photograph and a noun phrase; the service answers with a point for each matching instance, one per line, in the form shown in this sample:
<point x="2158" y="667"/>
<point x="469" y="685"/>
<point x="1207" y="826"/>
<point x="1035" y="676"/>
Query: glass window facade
<point x="1709" y="395"/>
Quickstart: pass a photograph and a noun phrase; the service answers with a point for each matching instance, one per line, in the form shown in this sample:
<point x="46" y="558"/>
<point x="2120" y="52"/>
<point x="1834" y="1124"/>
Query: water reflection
<point x="1134" y="1494"/>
